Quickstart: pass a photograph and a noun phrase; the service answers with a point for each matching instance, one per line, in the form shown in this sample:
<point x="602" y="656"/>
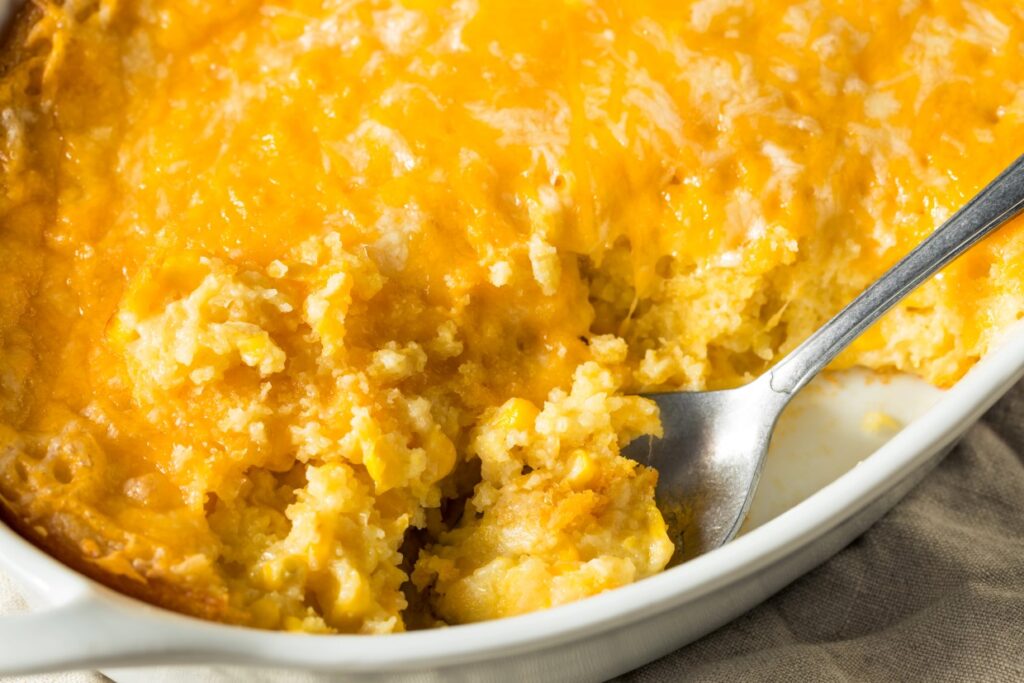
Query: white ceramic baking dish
<point x="81" y="624"/>
<point x="84" y="625"/>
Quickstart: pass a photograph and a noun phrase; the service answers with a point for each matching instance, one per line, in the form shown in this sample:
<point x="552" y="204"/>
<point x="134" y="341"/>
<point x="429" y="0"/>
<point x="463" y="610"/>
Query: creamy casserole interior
<point x="326" y="315"/>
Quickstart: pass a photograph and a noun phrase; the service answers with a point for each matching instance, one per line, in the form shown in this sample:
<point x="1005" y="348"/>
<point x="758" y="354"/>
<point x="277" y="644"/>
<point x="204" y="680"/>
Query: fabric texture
<point x="933" y="592"/>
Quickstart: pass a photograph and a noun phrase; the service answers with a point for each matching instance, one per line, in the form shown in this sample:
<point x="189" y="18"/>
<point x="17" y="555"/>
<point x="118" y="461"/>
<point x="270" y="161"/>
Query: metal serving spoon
<point x="710" y="458"/>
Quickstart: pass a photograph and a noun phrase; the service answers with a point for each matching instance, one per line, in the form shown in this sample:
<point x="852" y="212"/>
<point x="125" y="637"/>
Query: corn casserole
<point x="332" y="315"/>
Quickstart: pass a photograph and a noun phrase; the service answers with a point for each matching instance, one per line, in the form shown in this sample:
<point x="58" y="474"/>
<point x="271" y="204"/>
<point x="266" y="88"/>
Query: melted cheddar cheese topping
<point x="329" y="315"/>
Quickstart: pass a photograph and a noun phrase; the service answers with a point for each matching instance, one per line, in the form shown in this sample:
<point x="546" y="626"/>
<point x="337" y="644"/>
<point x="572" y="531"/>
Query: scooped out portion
<point x="331" y="316"/>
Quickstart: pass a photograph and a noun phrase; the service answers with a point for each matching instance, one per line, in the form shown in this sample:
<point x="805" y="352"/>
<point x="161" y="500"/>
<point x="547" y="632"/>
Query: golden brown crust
<point x="12" y="36"/>
<point x="163" y="594"/>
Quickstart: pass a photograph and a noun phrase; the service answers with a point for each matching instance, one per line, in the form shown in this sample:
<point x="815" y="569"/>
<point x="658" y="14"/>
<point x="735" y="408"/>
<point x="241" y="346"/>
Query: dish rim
<point x="801" y="525"/>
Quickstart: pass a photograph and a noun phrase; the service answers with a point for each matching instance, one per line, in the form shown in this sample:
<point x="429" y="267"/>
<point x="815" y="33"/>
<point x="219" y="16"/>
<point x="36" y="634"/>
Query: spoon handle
<point x="1000" y="201"/>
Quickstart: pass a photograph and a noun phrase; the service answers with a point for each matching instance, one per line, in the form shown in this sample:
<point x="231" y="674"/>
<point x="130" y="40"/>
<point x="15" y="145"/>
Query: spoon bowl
<point x="709" y="460"/>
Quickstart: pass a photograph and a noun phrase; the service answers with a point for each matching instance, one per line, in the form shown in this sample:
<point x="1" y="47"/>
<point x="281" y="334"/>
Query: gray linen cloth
<point x="933" y="592"/>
